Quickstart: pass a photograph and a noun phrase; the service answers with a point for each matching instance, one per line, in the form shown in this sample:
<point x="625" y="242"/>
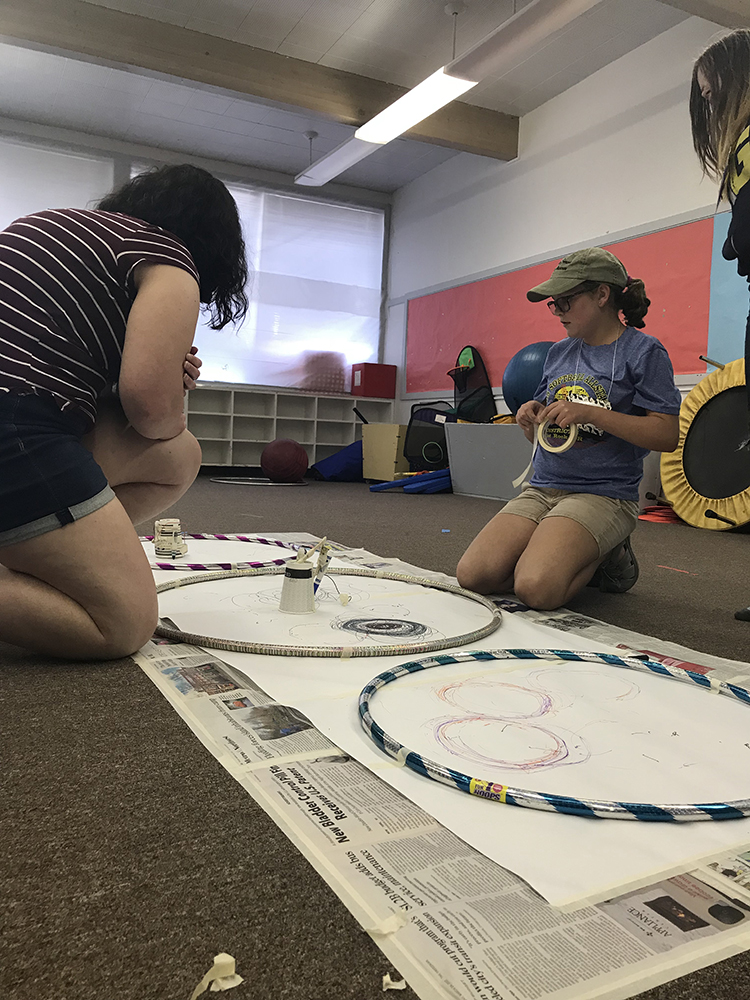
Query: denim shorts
<point x="48" y="478"/>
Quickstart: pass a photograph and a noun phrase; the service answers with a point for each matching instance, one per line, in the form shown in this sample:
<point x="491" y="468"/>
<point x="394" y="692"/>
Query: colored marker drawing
<point x="513" y="726"/>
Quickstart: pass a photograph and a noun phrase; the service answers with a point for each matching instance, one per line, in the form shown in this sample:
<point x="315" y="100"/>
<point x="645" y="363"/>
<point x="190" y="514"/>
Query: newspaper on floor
<point x="455" y="924"/>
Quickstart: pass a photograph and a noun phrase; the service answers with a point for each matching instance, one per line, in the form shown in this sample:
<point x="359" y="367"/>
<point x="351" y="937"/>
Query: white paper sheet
<point x="568" y="860"/>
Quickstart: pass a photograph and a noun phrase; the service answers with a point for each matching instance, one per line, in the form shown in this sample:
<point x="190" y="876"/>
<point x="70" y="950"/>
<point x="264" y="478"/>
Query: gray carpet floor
<point x="130" y="857"/>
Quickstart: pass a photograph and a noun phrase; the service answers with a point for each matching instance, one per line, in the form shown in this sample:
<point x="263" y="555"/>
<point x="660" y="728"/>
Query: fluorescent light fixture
<point x="509" y="44"/>
<point x="345" y="155"/>
<point x="425" y="99"/>
<point x="494" y="55"/>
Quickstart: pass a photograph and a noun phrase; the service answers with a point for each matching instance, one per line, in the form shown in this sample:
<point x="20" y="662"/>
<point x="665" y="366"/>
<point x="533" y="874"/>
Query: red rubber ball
<point x="284" y="461"/>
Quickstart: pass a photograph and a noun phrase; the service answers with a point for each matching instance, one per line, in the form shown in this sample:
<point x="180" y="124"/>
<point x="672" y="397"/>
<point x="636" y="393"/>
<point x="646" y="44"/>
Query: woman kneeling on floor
<point x="97" y="317"/>
<point x="570" y="527"/>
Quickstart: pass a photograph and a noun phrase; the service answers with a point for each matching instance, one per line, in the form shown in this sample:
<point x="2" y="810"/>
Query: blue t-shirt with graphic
<point x="631" y="375"/>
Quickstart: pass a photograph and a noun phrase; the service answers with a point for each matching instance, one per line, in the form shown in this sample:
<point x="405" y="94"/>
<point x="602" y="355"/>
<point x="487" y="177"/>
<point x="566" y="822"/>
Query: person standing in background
<point x="720" y="118"/>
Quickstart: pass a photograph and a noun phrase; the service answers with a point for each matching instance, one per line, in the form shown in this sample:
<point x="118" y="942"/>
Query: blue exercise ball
<point x="523" y="373"/>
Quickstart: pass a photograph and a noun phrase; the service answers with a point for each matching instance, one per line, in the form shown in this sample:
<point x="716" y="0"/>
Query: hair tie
<point x="628" y="282"/>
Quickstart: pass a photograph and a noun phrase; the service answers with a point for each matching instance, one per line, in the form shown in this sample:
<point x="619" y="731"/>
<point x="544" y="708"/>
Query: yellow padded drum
<point x="709" y="471"/>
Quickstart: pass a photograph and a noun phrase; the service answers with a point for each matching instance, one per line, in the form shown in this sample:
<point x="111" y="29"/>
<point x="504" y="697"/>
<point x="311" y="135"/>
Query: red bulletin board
<point x="494" y="315"/>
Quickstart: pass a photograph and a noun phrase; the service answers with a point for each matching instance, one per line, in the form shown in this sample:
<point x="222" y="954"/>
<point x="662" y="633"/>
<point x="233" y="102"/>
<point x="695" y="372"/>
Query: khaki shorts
<point x="610" y="521"/>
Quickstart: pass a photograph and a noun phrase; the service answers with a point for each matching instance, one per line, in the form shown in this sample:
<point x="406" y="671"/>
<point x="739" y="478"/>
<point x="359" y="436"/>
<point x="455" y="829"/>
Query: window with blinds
<point x="315" y="295"/>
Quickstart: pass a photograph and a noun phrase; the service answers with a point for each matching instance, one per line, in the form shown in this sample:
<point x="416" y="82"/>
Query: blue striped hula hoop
<point x="508" y="795"/>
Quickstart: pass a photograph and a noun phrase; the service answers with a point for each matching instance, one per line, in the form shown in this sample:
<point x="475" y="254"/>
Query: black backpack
<point x="425" y="447"/>
<point x="472" y="395"/>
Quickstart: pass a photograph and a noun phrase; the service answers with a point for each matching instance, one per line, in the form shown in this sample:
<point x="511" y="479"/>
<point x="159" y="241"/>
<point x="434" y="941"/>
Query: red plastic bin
<point x="374" y="380"/>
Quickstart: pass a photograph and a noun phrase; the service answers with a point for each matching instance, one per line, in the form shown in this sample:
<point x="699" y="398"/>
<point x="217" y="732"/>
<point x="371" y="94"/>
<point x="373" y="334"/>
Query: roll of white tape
<point x="567" y="444"/>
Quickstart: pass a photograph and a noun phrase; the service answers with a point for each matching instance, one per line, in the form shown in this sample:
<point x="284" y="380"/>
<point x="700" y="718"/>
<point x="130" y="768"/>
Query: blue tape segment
<point x="564" y="804"/>
<point x="378" y="736"/>
<point x="658" y="668"/>
<point x="523" y="654"/>
<point x="720" y="810"/>
<point x="412" y="668"/>
<point x="442" y="658"/>
<point x="740" y="693"/>
<point x="386" y="677"/>
<point x="566" y="654"/>
<point x="463" y="781"/>
<point x="616" y="661"/>
<point x="482" y="654"/>
<point x="645" y="811"/>
<point x="416" y="763"/>
<point x="698" y="678"/>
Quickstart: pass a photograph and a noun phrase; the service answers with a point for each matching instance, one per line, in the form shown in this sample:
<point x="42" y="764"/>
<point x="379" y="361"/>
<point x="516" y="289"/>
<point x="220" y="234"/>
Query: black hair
<point x="631" y="301"/>
<point x="197" y="208"/>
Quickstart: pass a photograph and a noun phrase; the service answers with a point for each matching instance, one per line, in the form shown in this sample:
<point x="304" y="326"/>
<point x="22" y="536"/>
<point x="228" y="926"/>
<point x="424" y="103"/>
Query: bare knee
<point x="472" y="576"/>
<point x="123" y="638"/>
<point x="123" y="631"/>
<point x="182" y="457"/>
<point x="537" y="590"/>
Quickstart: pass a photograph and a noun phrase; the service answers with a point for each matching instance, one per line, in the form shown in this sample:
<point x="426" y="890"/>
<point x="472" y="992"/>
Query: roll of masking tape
<point x="567" y="444"/>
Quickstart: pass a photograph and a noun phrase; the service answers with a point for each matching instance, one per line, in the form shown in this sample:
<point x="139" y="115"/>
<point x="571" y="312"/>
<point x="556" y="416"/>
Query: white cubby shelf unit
<point x="234" y="423"/>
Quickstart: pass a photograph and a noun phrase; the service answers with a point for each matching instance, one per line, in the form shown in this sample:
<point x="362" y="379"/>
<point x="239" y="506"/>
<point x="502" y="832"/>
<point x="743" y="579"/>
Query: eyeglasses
<point x="562" y="303"/>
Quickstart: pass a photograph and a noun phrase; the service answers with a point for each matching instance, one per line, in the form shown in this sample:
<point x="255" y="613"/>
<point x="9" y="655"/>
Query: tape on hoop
<point x="567" y="444"/>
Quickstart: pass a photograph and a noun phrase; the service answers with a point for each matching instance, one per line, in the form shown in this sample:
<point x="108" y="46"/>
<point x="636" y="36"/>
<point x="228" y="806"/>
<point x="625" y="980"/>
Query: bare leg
<point x="559" y="560"/>
<point x="84" y="591"/>
<point x="147" y="476"/>
<point x="488" y="565"/>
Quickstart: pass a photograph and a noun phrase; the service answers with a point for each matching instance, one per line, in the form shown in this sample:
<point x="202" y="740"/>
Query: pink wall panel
<point x="494" y="315"/>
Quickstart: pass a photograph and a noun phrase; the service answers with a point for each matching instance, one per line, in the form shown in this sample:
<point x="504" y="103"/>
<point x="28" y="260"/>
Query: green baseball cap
<point x="592" y="264"/>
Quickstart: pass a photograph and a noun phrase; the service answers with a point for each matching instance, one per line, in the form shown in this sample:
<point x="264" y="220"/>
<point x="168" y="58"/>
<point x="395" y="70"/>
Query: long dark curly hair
<point x="196" y="207"/>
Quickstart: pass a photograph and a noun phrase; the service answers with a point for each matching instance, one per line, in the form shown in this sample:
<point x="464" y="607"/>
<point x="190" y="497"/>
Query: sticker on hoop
<point x="488" y="790"/>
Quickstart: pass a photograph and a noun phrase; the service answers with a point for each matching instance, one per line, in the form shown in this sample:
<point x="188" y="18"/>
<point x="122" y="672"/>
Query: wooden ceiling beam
<point x="730" y="13"/>
<point x="112" y="36"/>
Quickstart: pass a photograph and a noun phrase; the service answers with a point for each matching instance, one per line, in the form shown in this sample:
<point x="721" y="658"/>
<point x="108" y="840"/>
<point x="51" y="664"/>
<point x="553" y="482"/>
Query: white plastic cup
<point x="297" y="596"/>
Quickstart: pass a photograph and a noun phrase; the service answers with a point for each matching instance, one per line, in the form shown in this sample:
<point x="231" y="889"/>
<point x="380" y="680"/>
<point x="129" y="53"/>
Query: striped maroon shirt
<point x="66" y="288"/>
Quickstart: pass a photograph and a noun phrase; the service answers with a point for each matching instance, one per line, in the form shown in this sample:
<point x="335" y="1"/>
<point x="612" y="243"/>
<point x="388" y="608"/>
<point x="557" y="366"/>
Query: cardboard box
<point x="374" y="380"/>
<point x="383" y="451"/>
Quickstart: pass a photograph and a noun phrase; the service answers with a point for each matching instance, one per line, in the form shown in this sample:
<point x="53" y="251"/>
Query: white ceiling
<point x="400" y="41"/>
<point x="404" y="41"/>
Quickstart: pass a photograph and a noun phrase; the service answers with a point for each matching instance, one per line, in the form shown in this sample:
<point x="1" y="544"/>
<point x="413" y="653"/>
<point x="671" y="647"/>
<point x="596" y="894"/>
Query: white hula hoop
<point x="567" y="444"/>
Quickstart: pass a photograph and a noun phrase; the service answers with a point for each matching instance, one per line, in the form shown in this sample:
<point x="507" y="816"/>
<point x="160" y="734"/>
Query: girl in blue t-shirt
<point x="571" y="525"/>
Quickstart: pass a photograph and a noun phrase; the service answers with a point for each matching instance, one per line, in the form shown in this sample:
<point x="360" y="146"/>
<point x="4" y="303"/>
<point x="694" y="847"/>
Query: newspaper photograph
<point x="245" y="721"/>
<point x="731" y="874"/>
